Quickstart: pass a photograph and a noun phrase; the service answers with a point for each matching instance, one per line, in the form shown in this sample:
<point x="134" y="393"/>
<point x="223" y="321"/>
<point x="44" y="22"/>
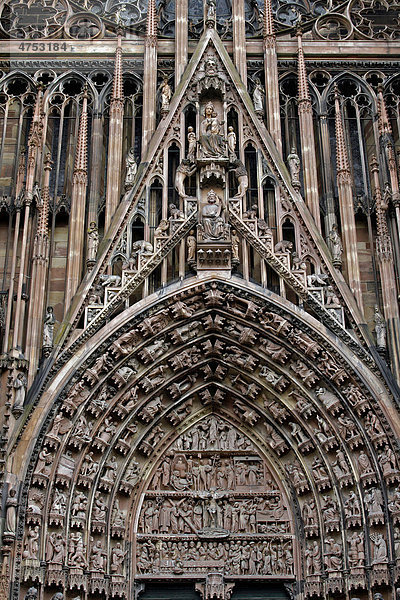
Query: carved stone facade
<point x="210" y="400"/>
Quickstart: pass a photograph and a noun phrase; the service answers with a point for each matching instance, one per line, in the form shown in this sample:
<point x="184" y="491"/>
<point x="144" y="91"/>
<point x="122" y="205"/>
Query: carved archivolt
<point x="198" y="436"/>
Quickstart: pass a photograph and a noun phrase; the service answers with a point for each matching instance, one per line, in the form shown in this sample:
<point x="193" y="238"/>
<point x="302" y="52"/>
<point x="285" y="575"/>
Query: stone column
<point x="96" y="155"/>
<point x="34" y="145"/>
<point x="149" y="78"/>
<point x="76" y="235"/>
<point x="347" y="218"/>
<point x="308" y="154"/>
<point x="271" y="78"/>
<point x="330" y="217"/>
<point x="18" y="207"/>
<point x="239" y="39"/>
<point x="40" y="262"/>
<point x="115" y="137"/>
<point x="181" y="39"/>
<point x="384" y="254"/>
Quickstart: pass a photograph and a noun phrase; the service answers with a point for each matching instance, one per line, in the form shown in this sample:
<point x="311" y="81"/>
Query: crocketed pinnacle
<point x="44" y="211"/>
<point x="383" y="119"/>
<point x="81" y="147"/>
<point x="302" y="73"/>
<point x="118" y="84"/>
<point x="20" y="174"/>
<point x="37" y="121"/>
<point x="151" y="25"/>
<point x="268" y="19"/>
<point x="342" y="160"/>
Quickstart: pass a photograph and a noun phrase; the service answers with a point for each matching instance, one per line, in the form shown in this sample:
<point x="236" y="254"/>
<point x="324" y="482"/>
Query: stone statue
<point x="336" y="246"/>
<point x="92" y="241"/>
<point x="211" y="9"/>
<point x="98" y="557"/>
<point x="191" y="246"/>
<point x="192" y="142"/>
<point x="211" y="219"/>
<point x="235" y="246"/>
<point x="231" y="140"/>
<point x="294" y="167"/>
<point x="184" y="170"/>
<point x="380" y="555"/>
<point x="258" y="97"/>
<point x="166" y="95"/>
<point x="380" y="329"/>
<point x="117" y="559"/>
<point x="241" y="175"/>
<point x="131" y="168"/>
<point x="211" y="140"/>
<point x="11" y="512"/>
<point x="48" y="327"/>
<point x="31" y="544"/>
<point x="19" y="385"/>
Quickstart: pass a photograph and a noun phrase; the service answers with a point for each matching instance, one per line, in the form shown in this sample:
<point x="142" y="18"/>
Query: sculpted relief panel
<point x="212" y="505"/>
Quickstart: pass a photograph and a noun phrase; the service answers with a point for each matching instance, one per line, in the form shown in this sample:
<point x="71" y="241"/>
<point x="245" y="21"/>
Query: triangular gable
<point x="128" y="204"/>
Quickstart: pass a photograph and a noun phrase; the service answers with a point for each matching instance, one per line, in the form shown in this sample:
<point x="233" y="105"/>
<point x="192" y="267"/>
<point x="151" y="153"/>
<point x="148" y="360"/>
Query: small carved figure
<point x="235" y="246"/>
<point x="212" y="221"/>
<point x="191" y="247"/>
<point x="258" y="97"/>
<point x="192" y="143"/>
<point x="231" y="140"/>
<point x="313" y="558"/>
<point x="131" y="168"/>
<point x="98" y="557"/>
<point x="19" y="385"/>
<point x="31" y="544"/>
<point x="380" y="329"/>
<point x="333" y="555"/>
<point x="117" y="559"/>
<point x="364" y="464"/>
<point x="92" y="241"/>
<point x="11" y="512"/>
<point x="294" y="167"/>
<point x="183" y="170"/>
<point x="175" y="213"/>
<point x="283" y="246"/>
<point x="240" y="172"/>
<point x="48" y="327"/>
<point x="166" y="95"/>
<point x="336" y="245"/>
<point x="31" y="594"/>
<point x="380" y="555"/>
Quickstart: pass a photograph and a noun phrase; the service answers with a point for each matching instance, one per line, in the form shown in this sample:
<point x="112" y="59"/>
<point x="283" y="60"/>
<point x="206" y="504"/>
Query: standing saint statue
<point x="336" y="246"/>
<point x="166" y="95"/>
<point x="294" y="167"/>
<point x="231" y="140"/>
<point x="19" y="385"/>
<point x="48" y="327"/>
<point x="191" y="138"/>
<point x="380" y="329"/>
<point x="258" y="98"/>
<point x="131" y="168"/>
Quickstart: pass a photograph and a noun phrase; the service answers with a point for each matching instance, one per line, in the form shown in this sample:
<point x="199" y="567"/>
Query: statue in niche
<point x="241" y="175"/>
<point x="356" y="550"/>
<point x="11" y="512"/>
<point x="380" y="554"/>
<point x="336" y="245"/>
<point x="98" y="557"/>
<point x="131" y="168"/>
<point x="117" y="559"/>
<point x="313" y="558"/>
<point x="294" y="167"/>
<point x="333" y="555"/>
<point x="31" y="544"/>
<point x="380" y="329"/>
<point x="92" y="241"/>
<point x="19" y="385"/>
<point x="211" y="140"/>
<point x="232" y="141"/>
<point x="183" y="170"/>
<point x="258" y="97"/>
<point x="191" y="247"/>
<point x="192" y="143"/>
<point x="211" y="219"/>
<point x="166" y="95"/>
<point x="48" y="327"/>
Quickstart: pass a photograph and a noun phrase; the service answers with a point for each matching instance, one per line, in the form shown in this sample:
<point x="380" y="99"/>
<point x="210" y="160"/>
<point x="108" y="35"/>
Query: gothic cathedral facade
<point x="199" y="318"/>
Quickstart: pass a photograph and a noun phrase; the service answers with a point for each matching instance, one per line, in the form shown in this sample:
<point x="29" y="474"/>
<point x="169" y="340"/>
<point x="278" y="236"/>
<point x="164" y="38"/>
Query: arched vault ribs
<point x="215" y="429"/>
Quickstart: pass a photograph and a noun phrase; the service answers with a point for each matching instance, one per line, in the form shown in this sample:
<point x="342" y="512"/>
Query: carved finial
<point x="81" y="147"/>
<point x="383" y="119"/>
<point x="304" y="94"/>
<point x="118" y="84"/>
<point x="151" y="25"/>
<point x="268" y="19"/>
<point x="342" y="159"/>
<point x="42" y="228"/>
